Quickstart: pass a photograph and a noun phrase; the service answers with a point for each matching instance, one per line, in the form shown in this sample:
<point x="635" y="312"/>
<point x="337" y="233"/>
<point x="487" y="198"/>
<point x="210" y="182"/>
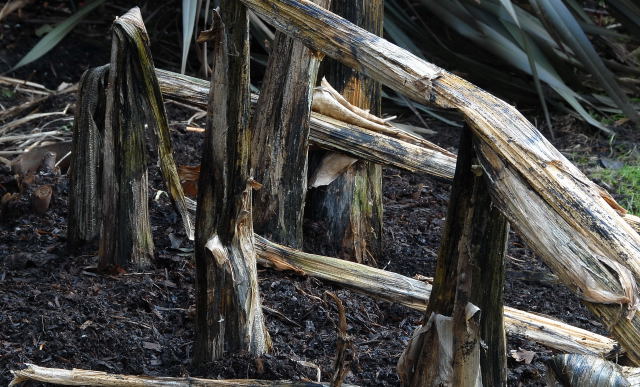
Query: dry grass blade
<point x="22" y="83"/>
<point x="15" y="110"/>
<point x="21" y="121"/>
<point x="28" y="136"/>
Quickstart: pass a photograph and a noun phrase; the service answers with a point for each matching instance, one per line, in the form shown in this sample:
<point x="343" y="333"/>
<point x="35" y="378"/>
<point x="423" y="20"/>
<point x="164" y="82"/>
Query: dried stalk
<point x="85" y="210"/>
<point x="333" y="134"/>
<point x="415" y="295"/>
<point x="79" y="377"/>
<point x="229" y="317"/>
<point x="571" y="201"/>
<point x="280" y="139"/>
<point x="125" y="236"/>
<point x="350" y="206"/>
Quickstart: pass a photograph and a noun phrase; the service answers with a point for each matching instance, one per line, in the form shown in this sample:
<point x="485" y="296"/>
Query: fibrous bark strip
<point x="350" y="207"/>
<point x="280" y="139"/>
<point x="229" y="314"/>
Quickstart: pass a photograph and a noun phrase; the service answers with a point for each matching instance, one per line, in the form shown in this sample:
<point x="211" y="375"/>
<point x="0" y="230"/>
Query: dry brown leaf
<point x="189" y="176"/>
<point x="331" y="166"/>
<point x="522" y="356"/>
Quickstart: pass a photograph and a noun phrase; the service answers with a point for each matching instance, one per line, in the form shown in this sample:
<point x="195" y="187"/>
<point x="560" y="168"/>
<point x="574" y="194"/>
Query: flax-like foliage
<point x="551" y="41"/>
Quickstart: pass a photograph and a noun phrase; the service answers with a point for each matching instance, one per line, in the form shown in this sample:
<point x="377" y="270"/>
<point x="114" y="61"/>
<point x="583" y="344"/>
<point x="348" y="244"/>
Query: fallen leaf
<point x="331" y="166"/>
<point x="522" y="355"/>
<point x="189" y="176"/>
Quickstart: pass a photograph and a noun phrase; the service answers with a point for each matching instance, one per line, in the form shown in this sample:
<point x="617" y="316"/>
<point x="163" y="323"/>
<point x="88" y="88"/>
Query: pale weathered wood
<point x="80" y="377"/>
<point x="280" y="139"/>
<point x="350" y="207"/>
<point x="228" y="311"/>
<point x="415" y="295"/>
<point x="571" y="200"/>
<point x="332" y="134"/>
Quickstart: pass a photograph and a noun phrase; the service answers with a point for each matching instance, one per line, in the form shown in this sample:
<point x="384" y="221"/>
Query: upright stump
<point x="469" y="271"/>
<point x="280" y="139"/>
<point x="125" y="233"/>
<point x="351" y="206"/>
<point x="229" y="315"/>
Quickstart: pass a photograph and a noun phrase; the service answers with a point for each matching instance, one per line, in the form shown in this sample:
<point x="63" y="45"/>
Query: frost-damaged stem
<point x="85" y="171"/>
<point x="157" y="119"/>
<point x="229" y="316"/>
<point x="332" y="134"/>
<point x="280" y="139"/>
<point x="79" y="377"/>
<point x="125" y="233"/>
<point x="469" y="269"/>
<point x="144" y="107"/>
<point x="336" y="135"/>
<point x="351" y="205"/>
<point x="608" y="262"/>
<point x="414" y="294"/>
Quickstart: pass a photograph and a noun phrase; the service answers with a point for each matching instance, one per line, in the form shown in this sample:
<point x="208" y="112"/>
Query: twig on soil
<point x="124" y="319"/>
<point x="341" y="364"/>
<point x="280" y="315"/>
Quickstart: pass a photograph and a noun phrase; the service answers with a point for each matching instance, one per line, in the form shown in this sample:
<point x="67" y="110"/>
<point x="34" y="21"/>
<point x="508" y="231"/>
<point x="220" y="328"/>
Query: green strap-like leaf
<point x="189" y="8"/>
<point x="526" y="45"/>
<point x="570" y="31"/>
<point x="54" y="37"/>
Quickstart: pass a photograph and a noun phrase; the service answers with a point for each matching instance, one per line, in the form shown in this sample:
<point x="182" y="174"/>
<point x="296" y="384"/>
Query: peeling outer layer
<point x="594" y="277"/>
<point x="585" y="370"/>
<point x="333" y="134"/>
<point x="326" y="86"/>
<point x="415" y="294"/>
<point x="565" y="193"/>
<point x="425" y="84"/>
<point x="131" y="23"/>
<point x="327" y="101"/>
<point x="350" y="44"/>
